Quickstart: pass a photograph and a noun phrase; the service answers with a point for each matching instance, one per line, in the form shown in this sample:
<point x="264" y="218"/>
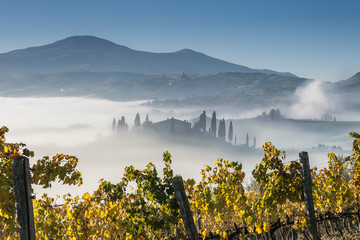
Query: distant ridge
<point x="351" y="84"/>
<point x="89" y="53"/>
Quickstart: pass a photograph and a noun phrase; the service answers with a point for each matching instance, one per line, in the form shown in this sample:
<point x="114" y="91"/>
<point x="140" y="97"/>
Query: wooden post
<point x="185" y="208"/>
<point x="24" y="207"/>
<point x="309" y="201"/>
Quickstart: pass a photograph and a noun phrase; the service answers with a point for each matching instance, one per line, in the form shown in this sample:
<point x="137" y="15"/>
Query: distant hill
<point x="95" y="67"/>
<point x="214" y="88"/>
<point x="345" y="93"/>
<point x="88" y="53"/>
<point x="352" y="84"/>
<point x="344" y="87"/>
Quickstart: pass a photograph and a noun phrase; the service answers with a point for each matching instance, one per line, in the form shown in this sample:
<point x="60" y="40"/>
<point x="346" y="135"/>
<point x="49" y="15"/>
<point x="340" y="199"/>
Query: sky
<point x="316" y="39"/>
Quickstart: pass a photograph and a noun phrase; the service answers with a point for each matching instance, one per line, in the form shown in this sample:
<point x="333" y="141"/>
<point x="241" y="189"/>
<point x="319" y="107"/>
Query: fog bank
<point x="82" y="127"/>
<point x="310" y="102"/>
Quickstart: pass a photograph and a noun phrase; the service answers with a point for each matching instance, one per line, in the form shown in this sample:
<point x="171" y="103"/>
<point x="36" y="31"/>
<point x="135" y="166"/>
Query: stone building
<point x="172" y="125"/>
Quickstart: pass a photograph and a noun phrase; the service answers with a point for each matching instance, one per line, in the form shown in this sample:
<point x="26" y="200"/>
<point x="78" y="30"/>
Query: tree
<point x="122" y="125"/>
<point x="119" y="128"/>
<point x="137" y="123"/>
<point x="147" y="125"/>
<point x="230" y="133"/>
<point x="213" y="124"/>
<point x="114" y="125"/>
<point x="202" y="121"/>
<point x="122" y="121"/>
<point x="222" y="129"/>
<point x="275" y="114"/>
<point x="327" y="117"/>
<point x="44" y="172"/>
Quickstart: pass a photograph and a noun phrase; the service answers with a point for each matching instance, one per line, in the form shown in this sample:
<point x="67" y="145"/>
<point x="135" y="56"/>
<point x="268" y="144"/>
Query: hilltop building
<point x="172" y="125"/>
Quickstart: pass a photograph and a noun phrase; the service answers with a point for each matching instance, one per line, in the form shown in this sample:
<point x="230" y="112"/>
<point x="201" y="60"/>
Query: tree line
<point x="216" y="129"/>
<point x="219" y="130"/>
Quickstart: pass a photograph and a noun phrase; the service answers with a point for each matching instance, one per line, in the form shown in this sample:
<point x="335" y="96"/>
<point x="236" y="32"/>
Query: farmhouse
<point x="172" y="125"/>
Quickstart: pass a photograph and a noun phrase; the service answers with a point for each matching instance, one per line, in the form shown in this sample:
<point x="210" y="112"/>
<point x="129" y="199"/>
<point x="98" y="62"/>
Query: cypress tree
<point x="122" y="121"/>
<point x="114" y="125"/>
<point x="202" y="121"/>
<point x="147" y="124"/>
<point x="222" y="129"/>
<point x="122" y="125"/>
<point x="213" y="124"/>
<point x="137" y="123"/>
<point x="230" y="133"/>
<point x="119" y="125"/>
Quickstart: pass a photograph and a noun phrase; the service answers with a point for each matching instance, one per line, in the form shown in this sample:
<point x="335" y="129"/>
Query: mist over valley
<point x="63" y="97"/>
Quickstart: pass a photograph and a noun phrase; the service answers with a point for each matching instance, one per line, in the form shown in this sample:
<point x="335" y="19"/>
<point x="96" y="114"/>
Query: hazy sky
<point x="310" y="38"/>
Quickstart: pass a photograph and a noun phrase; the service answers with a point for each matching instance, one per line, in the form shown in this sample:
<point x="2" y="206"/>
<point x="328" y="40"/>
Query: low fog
<point x="310" y="102"/>
<point x="82" y="127"/>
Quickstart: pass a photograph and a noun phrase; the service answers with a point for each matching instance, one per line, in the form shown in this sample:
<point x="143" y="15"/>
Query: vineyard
<point x="143" y="204"/>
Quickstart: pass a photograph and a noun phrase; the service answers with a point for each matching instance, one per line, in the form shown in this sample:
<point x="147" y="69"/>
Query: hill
<point x="345" y="93"/>
<point x="351" y="84"/>
<point x="88" y="53"/>
<point x="190" y="90"/>
<point x="95" y="67"/>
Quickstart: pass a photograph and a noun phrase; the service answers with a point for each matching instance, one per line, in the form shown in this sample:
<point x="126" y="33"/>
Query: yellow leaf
<point x="241" y="213"/>
<point x="258" y="229"/>
<point x="203" y="233"/>
<point x="223" y="235"/>
<point x="249" y="220"/>
<point x="86" y="196"/>
<point x="266" y="227"/>
<point x="69" y="214"/>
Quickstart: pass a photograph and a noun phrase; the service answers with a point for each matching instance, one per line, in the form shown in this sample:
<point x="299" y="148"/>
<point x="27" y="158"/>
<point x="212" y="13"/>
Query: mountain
<point x="352" y="84"/>
<point x="95" y="67"/>
<point x="344" y="87"/>
<point x="88" y="53"/>
<point x="345" y="93"/>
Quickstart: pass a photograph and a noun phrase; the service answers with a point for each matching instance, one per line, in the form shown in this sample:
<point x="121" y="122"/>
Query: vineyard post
<point x="185" y="208"/>
<point x="24" y="207"/>
<point x="309" y="201"/>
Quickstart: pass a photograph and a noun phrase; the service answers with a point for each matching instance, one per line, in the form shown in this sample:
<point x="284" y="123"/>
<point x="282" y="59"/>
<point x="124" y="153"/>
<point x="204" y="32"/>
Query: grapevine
<point x="142" y="204"/>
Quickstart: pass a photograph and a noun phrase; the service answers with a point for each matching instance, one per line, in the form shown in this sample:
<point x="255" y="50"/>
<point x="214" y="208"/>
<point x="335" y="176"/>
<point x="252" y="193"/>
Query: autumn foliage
<point x="142" y="205"/>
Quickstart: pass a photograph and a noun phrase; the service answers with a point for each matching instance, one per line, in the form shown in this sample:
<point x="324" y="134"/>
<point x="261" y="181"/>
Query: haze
<point x="82" y="127"/>
<point x="285" y="72"/>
